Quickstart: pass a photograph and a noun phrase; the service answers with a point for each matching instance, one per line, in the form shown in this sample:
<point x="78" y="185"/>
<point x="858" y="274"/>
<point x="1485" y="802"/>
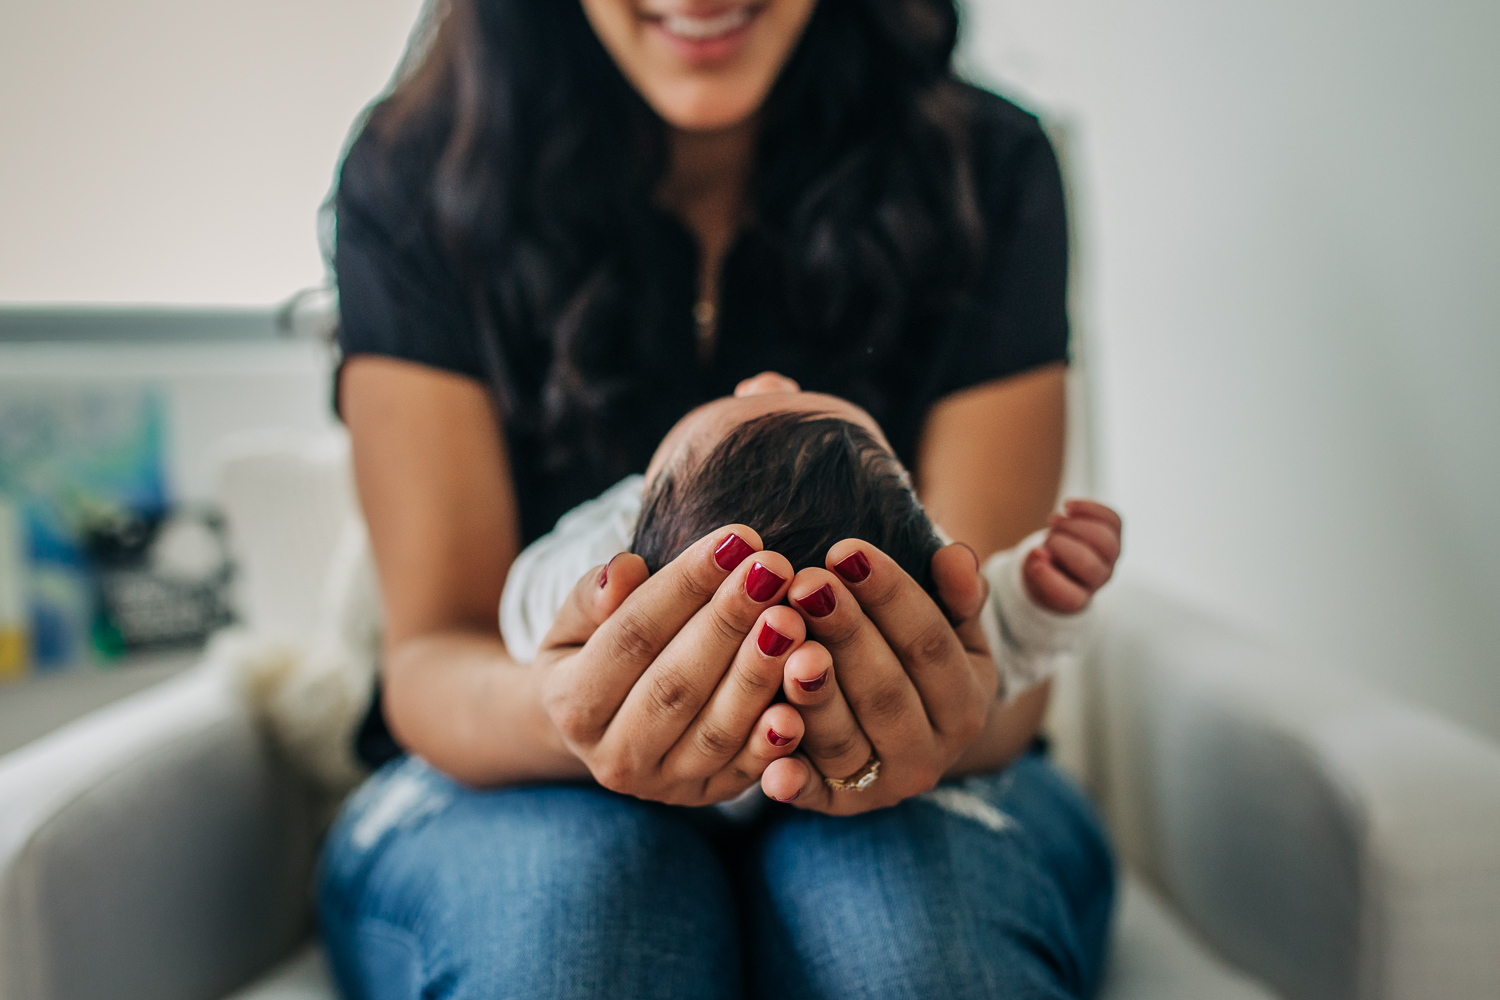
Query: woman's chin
<point x="708" y="105"/>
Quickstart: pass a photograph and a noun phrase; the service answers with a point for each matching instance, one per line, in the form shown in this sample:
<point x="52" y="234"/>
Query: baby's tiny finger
<point x="1051" y="586"/>
<point x="1095" y="510"/>
<point x="1078" y="560"/>
<point x="1095" y="534"/>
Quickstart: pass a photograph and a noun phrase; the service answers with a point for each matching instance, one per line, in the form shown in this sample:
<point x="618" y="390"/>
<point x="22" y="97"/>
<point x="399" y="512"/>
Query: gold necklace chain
<point x="705" y="319"/>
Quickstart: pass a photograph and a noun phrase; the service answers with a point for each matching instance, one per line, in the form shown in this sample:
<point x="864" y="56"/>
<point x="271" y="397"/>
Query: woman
<point x="567" y="225"/>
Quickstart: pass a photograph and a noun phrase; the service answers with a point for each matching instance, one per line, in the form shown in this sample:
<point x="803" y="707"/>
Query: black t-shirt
<point x="400" y="297"/>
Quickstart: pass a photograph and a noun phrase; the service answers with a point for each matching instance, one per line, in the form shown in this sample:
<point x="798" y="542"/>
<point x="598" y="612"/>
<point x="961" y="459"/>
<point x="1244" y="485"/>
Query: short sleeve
<point x="398" y="294"/>
<point x="1017" y="317"/>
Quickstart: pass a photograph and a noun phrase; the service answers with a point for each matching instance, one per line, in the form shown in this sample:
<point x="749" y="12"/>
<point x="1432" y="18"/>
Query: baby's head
<point x="804" y="470"/>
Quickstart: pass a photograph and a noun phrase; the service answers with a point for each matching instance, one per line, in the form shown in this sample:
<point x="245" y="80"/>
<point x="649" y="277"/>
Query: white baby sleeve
<point x="543" y="575"/>
<point x="1028" y="641"/>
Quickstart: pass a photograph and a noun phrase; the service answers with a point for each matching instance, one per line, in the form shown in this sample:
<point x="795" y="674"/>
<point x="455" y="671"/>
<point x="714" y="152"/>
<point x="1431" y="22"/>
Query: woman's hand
<point x="662" y="686"/>
<point x="891" y="676"/>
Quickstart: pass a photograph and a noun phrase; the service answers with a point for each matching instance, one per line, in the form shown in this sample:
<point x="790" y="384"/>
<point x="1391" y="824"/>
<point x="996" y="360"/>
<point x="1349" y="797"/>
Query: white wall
<point x="212" y="391"/>
<point x="1290" y="216"/>
<point x="176" y="151"/>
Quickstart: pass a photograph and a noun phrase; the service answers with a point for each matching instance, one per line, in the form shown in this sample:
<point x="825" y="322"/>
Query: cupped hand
<point x="662" y="685"/>
<point x="890" y="676"/>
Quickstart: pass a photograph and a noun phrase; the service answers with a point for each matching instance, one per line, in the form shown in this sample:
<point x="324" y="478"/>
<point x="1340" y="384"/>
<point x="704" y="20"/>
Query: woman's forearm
<point x="459" y="701"/>
<point x="1007" y="733"/>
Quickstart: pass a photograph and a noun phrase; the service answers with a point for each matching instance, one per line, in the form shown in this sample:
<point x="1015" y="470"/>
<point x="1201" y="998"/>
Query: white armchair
<point x="1282" y="832"/>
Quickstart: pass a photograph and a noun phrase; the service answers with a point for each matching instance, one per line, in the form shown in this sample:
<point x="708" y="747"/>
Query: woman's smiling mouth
<point x="696" y="28"/>
<point x="704" y="38"/>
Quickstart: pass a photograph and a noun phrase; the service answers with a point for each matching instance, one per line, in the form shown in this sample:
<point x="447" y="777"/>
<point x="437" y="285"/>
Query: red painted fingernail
<point x="772" y="642"/>
<point x="816" y="684"/>
<point x="732" y="551"/>
<point x="761" y="584"/>
<point x="820" y="603"/>
<point x="777" y="740"/>
<point x="855" y="568"/>
<point x="604" y="575"/>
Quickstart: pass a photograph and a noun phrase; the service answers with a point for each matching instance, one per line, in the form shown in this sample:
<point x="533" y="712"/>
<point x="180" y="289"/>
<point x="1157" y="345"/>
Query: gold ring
<point x="859" y="780"/>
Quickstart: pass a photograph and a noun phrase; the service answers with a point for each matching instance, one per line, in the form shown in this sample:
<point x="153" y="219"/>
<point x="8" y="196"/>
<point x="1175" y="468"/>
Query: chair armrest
<point x="1319" y="833"/>
<point x="155" y="849"/>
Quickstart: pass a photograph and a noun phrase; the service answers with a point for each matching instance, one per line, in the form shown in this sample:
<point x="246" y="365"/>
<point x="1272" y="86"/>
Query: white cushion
<point x="1153" y="957"/>
<point x="1334" y="842"/>
<point x="155" y="850"/>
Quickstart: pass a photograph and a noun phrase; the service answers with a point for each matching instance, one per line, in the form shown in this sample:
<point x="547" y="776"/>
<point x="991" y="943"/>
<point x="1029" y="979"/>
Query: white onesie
<point x="1028" y="640"/>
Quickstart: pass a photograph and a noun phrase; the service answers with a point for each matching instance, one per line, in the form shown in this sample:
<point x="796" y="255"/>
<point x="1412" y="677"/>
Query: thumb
<point x="596" y="596"/>
<point x="962" y="591"/>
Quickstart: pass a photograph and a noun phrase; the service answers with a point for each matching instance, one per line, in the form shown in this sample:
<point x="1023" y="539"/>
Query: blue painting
<point x="74" y="460"/>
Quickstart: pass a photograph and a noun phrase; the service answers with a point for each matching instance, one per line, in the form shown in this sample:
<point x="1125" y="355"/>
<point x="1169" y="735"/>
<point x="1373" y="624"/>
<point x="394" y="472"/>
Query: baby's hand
<point x="1076" y="558"/>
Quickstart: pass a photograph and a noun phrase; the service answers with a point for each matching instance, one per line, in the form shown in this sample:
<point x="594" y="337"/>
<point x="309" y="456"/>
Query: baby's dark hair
<point x="803" y="481"/>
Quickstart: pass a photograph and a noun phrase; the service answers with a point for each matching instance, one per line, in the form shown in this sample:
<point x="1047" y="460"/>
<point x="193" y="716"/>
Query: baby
<point x="805" y="471"/>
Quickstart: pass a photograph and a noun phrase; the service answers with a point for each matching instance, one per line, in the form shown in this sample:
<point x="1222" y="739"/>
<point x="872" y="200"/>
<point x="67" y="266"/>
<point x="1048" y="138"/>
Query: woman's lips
<point x="702" y="29"/>
<point x="704" y="39"/>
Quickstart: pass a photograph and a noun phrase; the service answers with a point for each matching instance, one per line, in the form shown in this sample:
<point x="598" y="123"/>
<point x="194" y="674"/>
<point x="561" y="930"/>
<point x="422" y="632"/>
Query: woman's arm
<point x="435" y="485"/>
<point x="989" y="461"/>
<point x="989" y="467"/>
<point x="659" y="688"/>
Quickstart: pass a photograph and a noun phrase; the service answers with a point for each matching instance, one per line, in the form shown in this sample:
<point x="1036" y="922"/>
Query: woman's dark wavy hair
<point x="538" y="164"/>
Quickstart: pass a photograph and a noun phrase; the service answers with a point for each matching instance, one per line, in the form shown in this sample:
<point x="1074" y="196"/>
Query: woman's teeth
<point x="700" y="29"/>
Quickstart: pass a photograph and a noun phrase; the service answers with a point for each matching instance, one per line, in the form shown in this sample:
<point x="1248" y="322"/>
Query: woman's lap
<point x="431" y="889"/>
<point x="996" y="887"/>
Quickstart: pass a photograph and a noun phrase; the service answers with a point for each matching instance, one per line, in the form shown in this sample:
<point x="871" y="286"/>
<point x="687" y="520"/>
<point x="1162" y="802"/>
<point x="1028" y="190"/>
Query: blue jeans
<point x="997" y="887"/>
